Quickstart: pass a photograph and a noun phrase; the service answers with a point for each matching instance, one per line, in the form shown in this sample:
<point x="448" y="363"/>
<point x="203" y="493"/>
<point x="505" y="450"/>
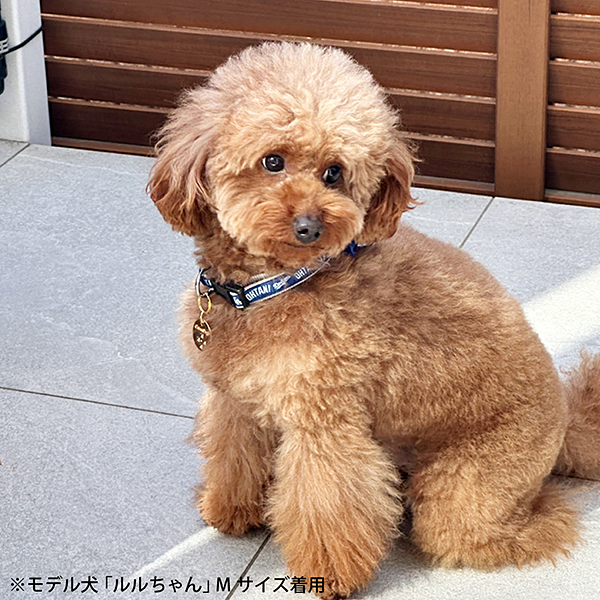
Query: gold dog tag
<point x="201" y="333"/>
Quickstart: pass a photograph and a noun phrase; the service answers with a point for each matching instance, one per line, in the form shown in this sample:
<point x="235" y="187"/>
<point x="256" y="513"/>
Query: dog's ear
<point x="176" y="183"/>
<point x="393" y="196"/>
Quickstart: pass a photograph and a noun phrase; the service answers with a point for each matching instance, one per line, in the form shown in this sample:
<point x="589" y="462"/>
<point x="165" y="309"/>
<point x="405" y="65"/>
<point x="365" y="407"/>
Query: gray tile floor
<point x="96" y="402"/>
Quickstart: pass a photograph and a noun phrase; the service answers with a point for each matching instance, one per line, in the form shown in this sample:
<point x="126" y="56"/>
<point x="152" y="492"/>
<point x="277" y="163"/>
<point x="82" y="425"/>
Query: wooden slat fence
<point x="573" y="134"/>
<point x="116" y="67"/>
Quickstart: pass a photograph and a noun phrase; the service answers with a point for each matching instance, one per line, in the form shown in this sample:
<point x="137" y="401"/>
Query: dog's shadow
<point x="403" y="567"/>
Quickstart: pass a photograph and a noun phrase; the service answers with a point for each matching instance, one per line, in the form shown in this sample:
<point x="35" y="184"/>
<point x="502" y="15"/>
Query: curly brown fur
<point x="408" y="349"/>
<point x="580" y="454"/>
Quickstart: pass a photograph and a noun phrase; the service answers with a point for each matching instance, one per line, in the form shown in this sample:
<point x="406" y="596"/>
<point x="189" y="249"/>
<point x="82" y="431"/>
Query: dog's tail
<point x="580" y="453"/>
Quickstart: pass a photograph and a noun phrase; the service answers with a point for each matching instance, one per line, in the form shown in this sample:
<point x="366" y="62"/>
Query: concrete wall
<point x="24" y="104"/>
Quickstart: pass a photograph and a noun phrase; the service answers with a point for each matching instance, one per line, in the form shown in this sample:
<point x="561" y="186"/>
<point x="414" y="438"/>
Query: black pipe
<point x="3" y="48"/>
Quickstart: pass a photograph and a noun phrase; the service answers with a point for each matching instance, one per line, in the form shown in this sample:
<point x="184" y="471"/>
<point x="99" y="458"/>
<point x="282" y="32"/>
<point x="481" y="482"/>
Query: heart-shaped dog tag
<point x="201" y="333"/>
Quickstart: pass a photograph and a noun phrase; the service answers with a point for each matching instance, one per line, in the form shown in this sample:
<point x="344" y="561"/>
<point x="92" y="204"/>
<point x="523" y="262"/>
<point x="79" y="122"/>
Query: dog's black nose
<point x="308" y="229"/>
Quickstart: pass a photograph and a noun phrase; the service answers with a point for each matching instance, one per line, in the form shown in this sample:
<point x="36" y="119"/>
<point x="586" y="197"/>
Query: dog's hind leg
<point x="238" y="454"/>
<point x="472" y="506"/>
<point x="580" y="453"/>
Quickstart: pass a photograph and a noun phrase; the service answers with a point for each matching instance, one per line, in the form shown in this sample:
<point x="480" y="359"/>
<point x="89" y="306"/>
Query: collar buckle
<point x="227" y="290"/>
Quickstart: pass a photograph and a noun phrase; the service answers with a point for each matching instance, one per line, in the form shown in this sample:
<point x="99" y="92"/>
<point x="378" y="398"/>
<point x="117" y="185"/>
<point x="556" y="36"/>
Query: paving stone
<point x="90" y="276"/>
<point x="447" y="216"/>
<point x="89" y="490"/>
<point x="548" y="257"/>
<point x="8" y="149"/>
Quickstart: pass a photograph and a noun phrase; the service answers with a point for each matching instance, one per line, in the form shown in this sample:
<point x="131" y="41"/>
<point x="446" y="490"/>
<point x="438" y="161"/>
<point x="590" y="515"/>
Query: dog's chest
<point x="270" y="352"/>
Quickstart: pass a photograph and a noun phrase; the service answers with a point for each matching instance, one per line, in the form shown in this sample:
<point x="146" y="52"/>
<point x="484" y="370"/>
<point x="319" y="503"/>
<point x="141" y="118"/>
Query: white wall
<point x="24" y="103"/>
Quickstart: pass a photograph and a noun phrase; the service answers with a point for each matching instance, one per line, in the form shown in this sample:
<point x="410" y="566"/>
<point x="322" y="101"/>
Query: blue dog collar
<point x="243" y="296"/>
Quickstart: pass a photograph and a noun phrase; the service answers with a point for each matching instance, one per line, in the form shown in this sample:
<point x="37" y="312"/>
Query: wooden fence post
<point x="521" y="98"/>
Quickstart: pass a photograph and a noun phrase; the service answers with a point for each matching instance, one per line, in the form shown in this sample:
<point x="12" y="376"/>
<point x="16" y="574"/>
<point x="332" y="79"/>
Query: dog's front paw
<point x="227" y="517"/>
<point x="334" y="582"/>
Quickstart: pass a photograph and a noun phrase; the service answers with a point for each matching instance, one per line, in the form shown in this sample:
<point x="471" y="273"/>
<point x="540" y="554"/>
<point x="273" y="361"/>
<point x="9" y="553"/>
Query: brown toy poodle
<point x="340" y="350"/>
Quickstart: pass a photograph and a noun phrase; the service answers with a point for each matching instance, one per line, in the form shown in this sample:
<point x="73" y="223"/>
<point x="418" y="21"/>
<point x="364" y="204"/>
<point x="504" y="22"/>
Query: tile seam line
<point x="27" y="144"/>
<point x="248" y="566"/>
<point x="96" y="402"/>
<point x="477" y="222"/>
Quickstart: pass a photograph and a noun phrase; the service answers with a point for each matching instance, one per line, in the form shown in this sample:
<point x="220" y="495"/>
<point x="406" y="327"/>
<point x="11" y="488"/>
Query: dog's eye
<point x="273" y="163"/>
<point x="332" y="174"/>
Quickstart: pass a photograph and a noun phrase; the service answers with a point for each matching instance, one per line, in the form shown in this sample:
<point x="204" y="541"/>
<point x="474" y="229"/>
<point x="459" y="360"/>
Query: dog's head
<point x="291" y="149"/>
